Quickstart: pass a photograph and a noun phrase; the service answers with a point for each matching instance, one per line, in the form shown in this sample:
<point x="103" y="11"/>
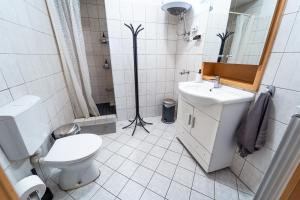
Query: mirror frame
<point x="245" y="76"/>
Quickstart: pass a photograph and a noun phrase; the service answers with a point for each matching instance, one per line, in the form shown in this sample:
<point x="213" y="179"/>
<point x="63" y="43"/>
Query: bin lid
<point x="66" y="130"/>
<point x="169" y="102"/>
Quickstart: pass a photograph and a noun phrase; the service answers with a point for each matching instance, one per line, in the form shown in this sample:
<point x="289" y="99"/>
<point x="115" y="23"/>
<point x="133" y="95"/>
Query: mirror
<point x="237" y="30"/>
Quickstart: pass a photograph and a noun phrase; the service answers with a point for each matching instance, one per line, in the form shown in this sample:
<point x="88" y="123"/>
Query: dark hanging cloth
<point x="252" y="131"/>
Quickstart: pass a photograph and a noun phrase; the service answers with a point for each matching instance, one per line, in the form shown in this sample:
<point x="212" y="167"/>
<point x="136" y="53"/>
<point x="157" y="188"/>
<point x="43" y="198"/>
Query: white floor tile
<point x="142" y="175"/>
<point x="186" y="153"/>
<point x="187" y="163"/>
<point x="149" y="195"/>
<point x="123" y="138"/>
<point x="151" y="139"/>
<point x="106" y="141"/>
<point x="103" y="195"/>
<point x="137" y="156"/>
<point x="104" y="155"/>
<point x="172" y="157"/>
<point x="176" y="147"/>
<point x="245" y="196"/>
<point x="151" y="162"/>
<point x="226" y="177"/>
<point x="243" y="188"/>
<point x="163" y="143"/>
<point x="115" y="183"/>
<point x="125" y="151"/>
<point x="178" y="192"/>
<point x="167" y="169"/>
<point x="128" y="168"/>
<point x="204" y="185"/>
<point x="105" y="173"/>
<point x="225" y="192"/>
<point x="157" y="132"/>
<point x="168" y="135"/>
<point x="131" y="191"/>
<point x="184" y="177"/>
<point x="85" y="192"/>
<point x="198" y="196"/>
<point x="158" y="151"/>
<point x="145" y="147"/>
<point x="114" y="146"/>
<point x="133" y="142"/>
<point x="159" y="184"/>
<point x="141" y="134"/>
<point x="115" y="161"/>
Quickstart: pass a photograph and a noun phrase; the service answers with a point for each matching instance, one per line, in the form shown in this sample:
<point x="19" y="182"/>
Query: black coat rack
<point x="223" y="37"/>
<point x="138" y="120"/>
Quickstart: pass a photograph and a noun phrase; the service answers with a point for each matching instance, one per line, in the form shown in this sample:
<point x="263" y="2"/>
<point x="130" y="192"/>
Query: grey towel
<point x="252" y="131"/>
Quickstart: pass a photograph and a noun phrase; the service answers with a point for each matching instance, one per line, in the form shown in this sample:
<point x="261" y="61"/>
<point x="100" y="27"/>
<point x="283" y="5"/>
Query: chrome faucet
<point x="216" y="81"/>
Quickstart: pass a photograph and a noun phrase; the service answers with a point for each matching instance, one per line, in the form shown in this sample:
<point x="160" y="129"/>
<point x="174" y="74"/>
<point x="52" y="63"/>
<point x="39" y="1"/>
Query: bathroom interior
<point x="149" y="100"/>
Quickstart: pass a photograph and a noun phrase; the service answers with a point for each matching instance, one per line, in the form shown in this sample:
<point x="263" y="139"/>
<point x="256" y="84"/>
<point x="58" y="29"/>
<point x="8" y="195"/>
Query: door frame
<point x="7" y="191"/>
<point x="284" y="163"/>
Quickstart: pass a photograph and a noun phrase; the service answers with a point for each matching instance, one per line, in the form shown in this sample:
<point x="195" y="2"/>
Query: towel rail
<point x="271" y="89"/>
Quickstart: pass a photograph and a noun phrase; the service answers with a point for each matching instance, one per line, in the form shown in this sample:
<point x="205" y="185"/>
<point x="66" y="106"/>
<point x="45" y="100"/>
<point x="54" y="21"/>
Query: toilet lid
<point x="74" y="148"/>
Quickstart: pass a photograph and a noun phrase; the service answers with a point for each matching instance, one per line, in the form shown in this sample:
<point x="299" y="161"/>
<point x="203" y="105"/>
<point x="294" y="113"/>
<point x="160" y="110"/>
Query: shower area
<point x="93" y="20"/>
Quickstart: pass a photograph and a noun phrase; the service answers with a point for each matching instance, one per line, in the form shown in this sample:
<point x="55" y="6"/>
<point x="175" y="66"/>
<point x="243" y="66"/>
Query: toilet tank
<point x="23" y="129"/>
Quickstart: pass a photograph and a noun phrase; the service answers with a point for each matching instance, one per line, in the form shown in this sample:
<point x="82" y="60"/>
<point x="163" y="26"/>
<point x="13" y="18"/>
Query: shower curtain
<point x="66" y="22"/>
<point x="241" y="36"/>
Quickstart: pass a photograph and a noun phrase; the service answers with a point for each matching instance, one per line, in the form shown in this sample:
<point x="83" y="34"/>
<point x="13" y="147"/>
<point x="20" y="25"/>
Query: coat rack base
<point x="137" y="121"/>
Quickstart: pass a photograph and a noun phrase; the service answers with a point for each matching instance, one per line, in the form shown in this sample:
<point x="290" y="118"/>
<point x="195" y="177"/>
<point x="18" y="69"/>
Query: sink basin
<point x="204" y="94"/>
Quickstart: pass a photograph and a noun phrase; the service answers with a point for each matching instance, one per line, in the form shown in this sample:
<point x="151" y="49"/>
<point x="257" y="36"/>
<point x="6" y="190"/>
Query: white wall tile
<point x="5" y="97"/>
<point x="292" y="6"/>
<point x="29" y="57"/>
<point x="271" y="69"/>
<point x="284" y="32"/>
<point x="289" y="68"/>
<point x="251" y="176"/>
<point x="294" y="41"/>
<point x="285" y="103"/>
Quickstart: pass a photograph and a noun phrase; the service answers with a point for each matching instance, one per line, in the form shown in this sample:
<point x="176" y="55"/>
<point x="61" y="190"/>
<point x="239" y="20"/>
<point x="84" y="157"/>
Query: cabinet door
<point x="184" y="114"/>
<point x="204" y="129"/>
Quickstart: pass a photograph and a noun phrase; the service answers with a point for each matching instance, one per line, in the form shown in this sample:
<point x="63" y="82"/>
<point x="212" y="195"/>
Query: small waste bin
<point x="168" y="111"/>
<point x="66" y="130"/>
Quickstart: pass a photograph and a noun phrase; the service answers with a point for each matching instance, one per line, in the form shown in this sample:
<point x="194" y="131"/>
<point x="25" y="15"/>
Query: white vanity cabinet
<point x="207" y="132"/>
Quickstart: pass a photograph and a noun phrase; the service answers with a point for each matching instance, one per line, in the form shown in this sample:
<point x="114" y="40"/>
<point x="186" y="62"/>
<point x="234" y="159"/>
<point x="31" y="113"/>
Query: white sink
<point x="203" y="93"/>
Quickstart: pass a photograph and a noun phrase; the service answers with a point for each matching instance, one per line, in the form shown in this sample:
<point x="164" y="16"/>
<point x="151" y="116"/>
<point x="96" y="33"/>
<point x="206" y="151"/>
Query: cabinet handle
<point x="190" y="117"/>
<point x="193" y="123"/>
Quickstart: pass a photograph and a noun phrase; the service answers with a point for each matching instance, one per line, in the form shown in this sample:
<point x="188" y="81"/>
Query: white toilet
<point x="23" y="131"/>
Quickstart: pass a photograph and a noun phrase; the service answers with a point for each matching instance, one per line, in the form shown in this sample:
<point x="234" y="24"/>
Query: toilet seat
<point x="73" y="149"/>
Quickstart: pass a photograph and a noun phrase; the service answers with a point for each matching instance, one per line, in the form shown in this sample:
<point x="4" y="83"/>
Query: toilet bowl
<point x="74" y="155"/>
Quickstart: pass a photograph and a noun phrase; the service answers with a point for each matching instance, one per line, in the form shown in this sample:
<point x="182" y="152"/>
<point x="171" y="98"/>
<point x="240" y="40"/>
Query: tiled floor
<point x="152" y="166"/>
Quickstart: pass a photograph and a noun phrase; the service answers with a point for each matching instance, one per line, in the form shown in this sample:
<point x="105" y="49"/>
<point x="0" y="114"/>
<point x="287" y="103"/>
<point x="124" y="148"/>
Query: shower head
<point x="176" y="7"/>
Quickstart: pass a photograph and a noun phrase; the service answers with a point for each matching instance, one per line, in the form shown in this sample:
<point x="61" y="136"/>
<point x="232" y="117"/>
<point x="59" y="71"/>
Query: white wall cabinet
<point x="208" y="132"/>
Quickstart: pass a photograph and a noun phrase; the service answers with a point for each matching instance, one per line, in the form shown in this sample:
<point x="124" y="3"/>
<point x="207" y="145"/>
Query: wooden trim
<point x="247" y="76"/>
<point x="7" y="191"/>
<point x="293" y="184"/>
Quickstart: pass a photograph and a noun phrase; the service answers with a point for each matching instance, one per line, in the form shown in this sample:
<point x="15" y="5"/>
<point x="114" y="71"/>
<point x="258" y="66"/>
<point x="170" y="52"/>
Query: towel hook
<point x="271" y="89"/>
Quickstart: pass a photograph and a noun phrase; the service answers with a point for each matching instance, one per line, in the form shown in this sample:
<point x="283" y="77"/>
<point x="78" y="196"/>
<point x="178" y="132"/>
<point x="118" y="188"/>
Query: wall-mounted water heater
<point x="176" y="7"/>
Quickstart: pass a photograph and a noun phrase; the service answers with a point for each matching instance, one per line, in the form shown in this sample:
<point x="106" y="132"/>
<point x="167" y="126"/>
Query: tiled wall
<point x="93" y="21"/>
<point x="156" y="59"/>
<point x="189" y="54"/>
<point x="30" y="64"/>
<point x="283" y="72"/>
